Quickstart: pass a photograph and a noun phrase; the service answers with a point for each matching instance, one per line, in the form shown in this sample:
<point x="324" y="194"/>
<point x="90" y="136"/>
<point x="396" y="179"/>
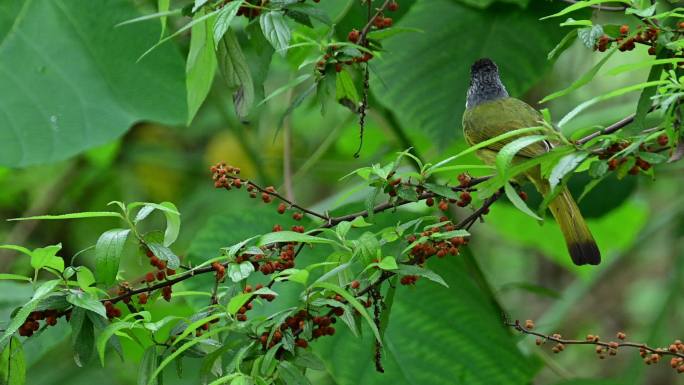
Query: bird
<point x="490" y="112"/>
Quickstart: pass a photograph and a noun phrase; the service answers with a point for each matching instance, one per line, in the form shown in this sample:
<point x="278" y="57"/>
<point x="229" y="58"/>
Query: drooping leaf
<point x="200" y="67"/>
<point x="108" y="254"/>
<point x="82" y="336"/>
<point x="566" y="165"/>
<point x="148" y="365"/>
<point x="235" y="71"/>
<point x="106" y="90"/>
<point x="13" y="364"/>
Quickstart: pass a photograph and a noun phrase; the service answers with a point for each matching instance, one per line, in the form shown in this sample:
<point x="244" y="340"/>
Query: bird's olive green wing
<point x="491" y="119"/>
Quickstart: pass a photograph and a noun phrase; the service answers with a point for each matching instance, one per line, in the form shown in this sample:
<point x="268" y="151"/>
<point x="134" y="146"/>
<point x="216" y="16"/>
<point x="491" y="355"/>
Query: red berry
<point x="142" y="298"/>
<point x="281" y="208"/>
<point x="624" y="29"/>
<point x="663" y="140"/>
<point x="392" y="6"/>
<point x="149" y="277"/>
<point x="355" y="284"/>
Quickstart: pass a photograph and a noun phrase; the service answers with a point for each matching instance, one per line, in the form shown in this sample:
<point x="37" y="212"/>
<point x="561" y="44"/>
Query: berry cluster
<point x="433" y="246"/>
<point x="639" y="163"/>
<point x="32" y="323"/>
<point x="241" y="314"/>
<point x="112" y="311"/>
<point x="647" y="36"/>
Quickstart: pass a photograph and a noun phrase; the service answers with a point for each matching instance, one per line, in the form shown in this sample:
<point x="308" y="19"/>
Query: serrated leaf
<point x="590" y="35"/>
<point x="224" y="18"/>
<point x="108" y="254"/>
<point x="239" y="271"/>
<point x="276" y="30"/>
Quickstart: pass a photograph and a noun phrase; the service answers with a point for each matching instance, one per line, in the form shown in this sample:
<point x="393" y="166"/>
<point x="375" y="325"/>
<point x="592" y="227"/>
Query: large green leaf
<point x="444" y="340"/>
<point x="13" y="364"/>
<point x="423" y="77"/>
<point x="70" y="82"/>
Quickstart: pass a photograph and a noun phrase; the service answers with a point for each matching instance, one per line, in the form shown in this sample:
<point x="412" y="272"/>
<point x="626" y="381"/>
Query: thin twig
<point x="609" y="345"/>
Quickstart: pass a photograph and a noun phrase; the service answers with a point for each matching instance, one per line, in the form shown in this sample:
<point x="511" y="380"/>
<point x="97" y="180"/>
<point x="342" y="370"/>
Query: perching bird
<point x="490" y="112"/>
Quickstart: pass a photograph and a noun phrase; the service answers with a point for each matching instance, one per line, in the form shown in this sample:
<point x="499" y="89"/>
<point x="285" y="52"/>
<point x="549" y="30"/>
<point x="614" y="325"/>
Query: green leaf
<point x="310" y="10"/>
<point x="82" y="337"/>
<point x="590" y="35"/>
<point x="513" y="196"/>
<point x="85" y="301"/>
<point x="583" y="80"/>
<point x="291" y="375"/>
<point x="47" y="257"/>
<point x="147" y="367"/>
<point x="581" y="5"/>
<point x="84" y="277"/>
<point x="13" y="364"/>
<point x="224" y="18"/>
<point x="200" y="67"/>
<point x="645" y="102"/>
<point x="276" y="30"/>
<point x="172" y="223"/>
<point x="620" y="91"/>
<point x="69" y="51"/>
<point x="411" y="76"/>
<point x="87" y="214"/>
<point x="108" y="254"/>
<point x="290" y="236"/>
<point x="171" y="357"/>
<point x="352" y="301"/>
<point x="238" y="272"/>
<point x="291" y="84"/>
<point x="345" y="88"/>
<point x="505" y="156"/>
<point x="23" y="313"/>
<point x="385" y="33"/>
<point x="486" y="143"/>
<point x="563" y="45"/>
<point x="388" y="263"/>
<point x="422" y="272"/>
<point x="237" y="302"/>
<point x="235" y="71"/>
<point x="434" y="351"/>
<point x="16" y="277"/>
<point x="165" y="254"/>
<point x="105" y="335"/>
<point x="566" y="165"/>
<point x="163" y="8"/>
